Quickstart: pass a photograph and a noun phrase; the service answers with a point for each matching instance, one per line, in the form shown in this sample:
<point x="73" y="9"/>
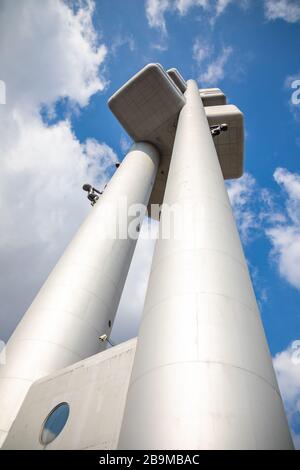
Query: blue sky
<point x="62" y="61"/>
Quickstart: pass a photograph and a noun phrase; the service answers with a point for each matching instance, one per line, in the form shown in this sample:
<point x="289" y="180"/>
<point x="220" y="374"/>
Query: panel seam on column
<point x="206" y="362"/>
<point x="95" y="269"/>
<point x="184" y="250"/>
<point x="83" y="289"/>
<point x="81" y="320"/>
<point x="253" y="309"/>
<point x="177" y="201"/>
<point x="175" y="172"/>
<point x="48" y="342"/>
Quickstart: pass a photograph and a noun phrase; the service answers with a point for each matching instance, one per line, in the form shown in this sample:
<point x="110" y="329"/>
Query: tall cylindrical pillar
<point x="79" y="299"/>
<point x="202" y="375"/>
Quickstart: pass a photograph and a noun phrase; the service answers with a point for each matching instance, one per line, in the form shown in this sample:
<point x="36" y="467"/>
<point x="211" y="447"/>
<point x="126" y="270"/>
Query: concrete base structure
<point x="79" y="299"/>
<point x="95" y="390"/>
<point x="202" y="376"/>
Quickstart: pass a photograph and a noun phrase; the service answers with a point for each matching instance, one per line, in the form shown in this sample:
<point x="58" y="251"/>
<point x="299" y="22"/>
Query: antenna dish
<point x="87" y="187"/>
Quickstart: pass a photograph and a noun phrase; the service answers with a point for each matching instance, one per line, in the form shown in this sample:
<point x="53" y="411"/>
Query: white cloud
<point x="160" y="45"/>
<point x="122" y="41"/>
<point x="285" y="235"/>
<point x="125" y="143"/>
<point x="287" y="368"/>
<point x="286" y="244"/>
<point x="215" y="70"/>
<point x="288" y="10"/>
<point x="201" y="50"/>
<point x="240" y="193"/>
<point x="258" y="212"/>
<point x="221" y="6"/>
<point x="240" y="190"/>
<point x="291" y="184"/>
<point x="183" y="6"/>
<point x="53" y="52"/>
<point x="155" y="11"/>
<point x="286" y="252"/>
<point x="255" y="211"/>
<point x="50" y="46"/>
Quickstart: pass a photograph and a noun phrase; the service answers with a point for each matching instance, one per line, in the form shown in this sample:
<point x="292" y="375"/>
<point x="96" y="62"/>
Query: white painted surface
<point x="95" y="390"/>
<point x="202" y="376"/>
<point x="81" y="295"/>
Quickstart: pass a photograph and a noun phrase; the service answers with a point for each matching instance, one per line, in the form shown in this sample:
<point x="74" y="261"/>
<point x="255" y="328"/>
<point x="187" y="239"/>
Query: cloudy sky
<point x="61" y="61"/>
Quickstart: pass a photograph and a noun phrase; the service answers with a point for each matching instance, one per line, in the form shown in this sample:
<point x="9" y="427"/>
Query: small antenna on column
<point x="92" y="193"/>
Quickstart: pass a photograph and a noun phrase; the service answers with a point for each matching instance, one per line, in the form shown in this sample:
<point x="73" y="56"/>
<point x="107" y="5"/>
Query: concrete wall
<point x="95" y="390"/>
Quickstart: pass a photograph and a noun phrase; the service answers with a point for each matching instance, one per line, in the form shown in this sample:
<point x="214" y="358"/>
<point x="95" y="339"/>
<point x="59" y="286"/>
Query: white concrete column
<point x="202" y="375"/>
<point x="79" y="299"/>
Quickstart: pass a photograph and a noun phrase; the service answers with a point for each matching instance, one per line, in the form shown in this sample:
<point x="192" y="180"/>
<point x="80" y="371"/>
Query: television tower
<point x="202" y="375"/>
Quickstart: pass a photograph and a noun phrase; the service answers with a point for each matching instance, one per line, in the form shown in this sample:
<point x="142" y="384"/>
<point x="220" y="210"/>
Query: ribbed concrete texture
<point x="202" y="376"/>
<point x="79" y="300"/>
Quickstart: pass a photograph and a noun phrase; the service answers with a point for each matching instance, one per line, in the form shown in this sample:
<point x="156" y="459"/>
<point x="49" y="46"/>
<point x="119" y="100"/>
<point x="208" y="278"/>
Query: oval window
<point x="54" y="423"/>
